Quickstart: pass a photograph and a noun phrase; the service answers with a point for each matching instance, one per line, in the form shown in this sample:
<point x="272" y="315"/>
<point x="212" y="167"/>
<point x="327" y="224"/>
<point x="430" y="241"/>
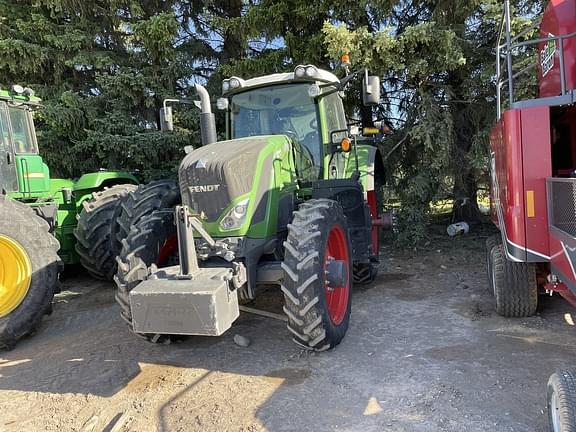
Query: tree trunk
<point x="465" y="207"/>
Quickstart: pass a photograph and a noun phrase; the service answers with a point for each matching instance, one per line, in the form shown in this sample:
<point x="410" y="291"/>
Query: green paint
<point x="97" y="180"/>
<point x="34" y="185"/>
<point x="283" y="180"/>
<point x="275" y="168"/>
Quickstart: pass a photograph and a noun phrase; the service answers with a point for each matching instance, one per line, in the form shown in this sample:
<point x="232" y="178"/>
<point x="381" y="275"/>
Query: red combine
<point x="533" y="165"/>
<point x="533" y="187"/>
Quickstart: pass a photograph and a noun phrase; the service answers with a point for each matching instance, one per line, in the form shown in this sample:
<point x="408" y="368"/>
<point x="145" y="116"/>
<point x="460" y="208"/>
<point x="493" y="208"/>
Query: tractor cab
<point x="22" y="169"/>
<point x="303" y="105"/>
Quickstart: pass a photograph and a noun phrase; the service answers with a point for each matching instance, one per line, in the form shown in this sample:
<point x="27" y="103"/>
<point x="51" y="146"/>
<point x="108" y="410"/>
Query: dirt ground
<point x="425" y="352"/>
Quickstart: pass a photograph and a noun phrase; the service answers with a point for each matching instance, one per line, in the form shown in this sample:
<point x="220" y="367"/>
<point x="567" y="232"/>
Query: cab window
<point x="284" y="109"/>
<point x="335" y="117"/>
<point x="4" y="132"/>
<point x="22" y="131"/>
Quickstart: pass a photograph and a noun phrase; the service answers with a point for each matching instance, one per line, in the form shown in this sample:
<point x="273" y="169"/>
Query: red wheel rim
<point x="337" y="297"/>
<point x="371" y="195"/>
<point x="168" y="248"/>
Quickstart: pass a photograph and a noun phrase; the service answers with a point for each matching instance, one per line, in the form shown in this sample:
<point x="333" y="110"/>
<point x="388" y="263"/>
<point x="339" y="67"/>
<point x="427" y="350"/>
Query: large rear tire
<point x="514" y="285"/>
<point x="318" y="308"/>
<point x="152" y="242"/>
<point x="97" y="243"/>
<point x="561" y="398"/>
<point x="143" y="202"/>
<point x="29" y="267"/>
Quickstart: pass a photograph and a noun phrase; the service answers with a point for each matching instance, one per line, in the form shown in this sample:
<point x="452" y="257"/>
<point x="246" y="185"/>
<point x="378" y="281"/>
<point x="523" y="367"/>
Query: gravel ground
<point x="425" y="352"/>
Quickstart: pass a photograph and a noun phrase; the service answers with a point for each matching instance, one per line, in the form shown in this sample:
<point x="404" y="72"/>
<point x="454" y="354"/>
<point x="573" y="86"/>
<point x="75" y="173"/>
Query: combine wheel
<point x="96" y="231"/>
<point x="317" y="275"/>
<point x="514" y="285"/>
<point x="152" y="241"/>
<point x="561" y="397"/>
<point x="143" y="202"/>
<point x="29" y="267"/>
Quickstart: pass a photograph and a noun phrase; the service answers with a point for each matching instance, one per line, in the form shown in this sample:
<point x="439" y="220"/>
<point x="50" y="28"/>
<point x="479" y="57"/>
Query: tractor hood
<point x="217" y="177"/>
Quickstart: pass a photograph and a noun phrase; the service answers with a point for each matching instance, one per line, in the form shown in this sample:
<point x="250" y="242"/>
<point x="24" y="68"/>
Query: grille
<point x="562" y="204"/>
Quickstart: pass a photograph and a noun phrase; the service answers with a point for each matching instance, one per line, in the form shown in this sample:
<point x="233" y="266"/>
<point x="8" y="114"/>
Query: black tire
<point x="21" y="225"/>
<point x="491" y="241"/>
<point x="561" y="398"/>
<point x="140" y="251"/>
<point x="305" y="301"/>
<point x="365" y="273"/>
<point x="96" y="231"/>
<point x="514" y="284"/>
<point x="143" y="202"/>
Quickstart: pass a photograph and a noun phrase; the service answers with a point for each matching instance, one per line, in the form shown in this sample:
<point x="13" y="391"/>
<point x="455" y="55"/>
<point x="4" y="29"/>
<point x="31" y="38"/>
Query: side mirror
<point x="166" y="119"/>
<point x="371" y="90"/>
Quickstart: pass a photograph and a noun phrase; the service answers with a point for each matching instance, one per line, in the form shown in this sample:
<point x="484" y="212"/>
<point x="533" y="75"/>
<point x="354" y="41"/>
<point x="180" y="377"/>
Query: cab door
<point x="8" y="174"/>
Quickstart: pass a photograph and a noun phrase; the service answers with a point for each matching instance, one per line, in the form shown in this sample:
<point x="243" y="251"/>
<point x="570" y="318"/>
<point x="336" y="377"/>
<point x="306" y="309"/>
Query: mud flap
<point x="204" y="305"/>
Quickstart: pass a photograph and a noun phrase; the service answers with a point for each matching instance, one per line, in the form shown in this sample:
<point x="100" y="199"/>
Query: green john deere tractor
<point x="40" y="216"/>
<point x="290" y="198"/>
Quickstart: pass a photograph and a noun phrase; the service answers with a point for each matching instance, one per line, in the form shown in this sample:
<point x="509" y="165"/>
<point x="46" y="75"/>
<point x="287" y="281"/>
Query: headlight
<point x="311" y="71"/>
<point x="18" y="89"/>
<point x="235" y="83"/>
<point x="300" y="71"/>
<point x="225" y="86"/>
<point x="236" y="217"/>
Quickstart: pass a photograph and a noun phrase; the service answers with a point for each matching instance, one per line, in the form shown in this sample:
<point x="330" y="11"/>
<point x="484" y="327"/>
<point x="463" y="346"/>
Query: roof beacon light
<point x="345" y="59"/>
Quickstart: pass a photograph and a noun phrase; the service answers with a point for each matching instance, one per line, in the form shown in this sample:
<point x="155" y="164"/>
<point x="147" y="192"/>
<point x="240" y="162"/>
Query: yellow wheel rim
<point x="15" y="274"/>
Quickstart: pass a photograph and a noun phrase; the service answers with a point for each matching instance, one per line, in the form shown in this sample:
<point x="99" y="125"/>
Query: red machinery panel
<point x="537" y="166"/>
<point x="559" y="19"/>
<point x="508" y="181"/>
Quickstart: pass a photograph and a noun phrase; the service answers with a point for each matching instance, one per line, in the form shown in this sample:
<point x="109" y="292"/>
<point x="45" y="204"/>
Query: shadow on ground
<point x="425" y="351"/>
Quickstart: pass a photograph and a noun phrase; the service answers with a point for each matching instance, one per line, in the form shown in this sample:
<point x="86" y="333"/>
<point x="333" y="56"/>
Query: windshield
<point x="278" y="110"/>
<point x="22" y="131"/>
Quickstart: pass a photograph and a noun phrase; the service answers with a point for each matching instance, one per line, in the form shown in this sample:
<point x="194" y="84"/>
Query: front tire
<point x="151" y="242"/>
<point x="561" y="398"/>
<point x="95" y="233"/>
<point x="514" y="285"/>
<point x="29" y="267"/>
<point x="144" y="201"/>
<point x="317" y="302"/>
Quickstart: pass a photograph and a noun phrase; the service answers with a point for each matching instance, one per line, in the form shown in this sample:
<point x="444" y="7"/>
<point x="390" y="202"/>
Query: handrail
<point x="505" y="51"/>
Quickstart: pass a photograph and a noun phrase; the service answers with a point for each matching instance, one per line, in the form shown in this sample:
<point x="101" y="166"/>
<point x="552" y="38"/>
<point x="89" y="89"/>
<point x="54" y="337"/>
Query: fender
<point x="370" y="165"/>
<point x="97" y="180"/>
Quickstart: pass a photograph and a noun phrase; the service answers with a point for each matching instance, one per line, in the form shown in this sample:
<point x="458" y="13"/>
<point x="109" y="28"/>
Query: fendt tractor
<point x="41" y="217"/>
<point x="290" y="198"/>
<point x="533" y="187"/>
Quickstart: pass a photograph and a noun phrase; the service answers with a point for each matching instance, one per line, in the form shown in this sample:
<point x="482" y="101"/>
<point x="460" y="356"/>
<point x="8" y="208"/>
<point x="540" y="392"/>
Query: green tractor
<point x="46" y="222"/>
<point x="290" y="198"/>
